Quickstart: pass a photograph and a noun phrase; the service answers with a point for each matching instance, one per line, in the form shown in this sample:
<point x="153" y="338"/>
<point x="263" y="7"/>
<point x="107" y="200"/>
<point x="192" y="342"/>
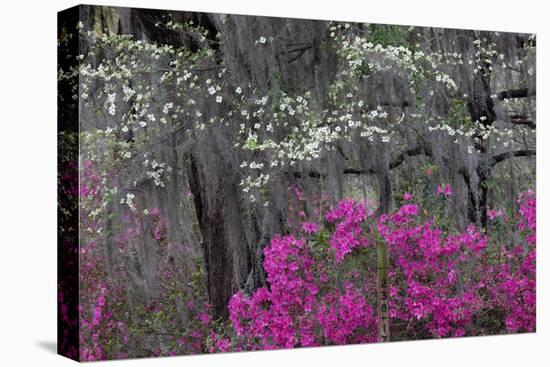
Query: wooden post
<point x="383" y="306"/>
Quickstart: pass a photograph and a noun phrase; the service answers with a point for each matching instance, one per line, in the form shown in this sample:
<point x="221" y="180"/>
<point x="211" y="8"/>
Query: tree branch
<point x="396" y="162"/>
<point x="516" y="93"/>
<point x="522" y="120"/>
<point x="300" y="51"/>
<point x="418" y="150"/>
<point x="517" y="153"/>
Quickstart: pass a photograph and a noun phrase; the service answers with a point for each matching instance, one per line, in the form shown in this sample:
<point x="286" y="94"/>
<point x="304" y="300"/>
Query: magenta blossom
<point x="444" y="190"/>
<point x="204" y="318"/>
<point x="495" y="214"/>
<point x="407" y="196"/>
<point x="310" y="227"/>
<point x="349" y="217"/>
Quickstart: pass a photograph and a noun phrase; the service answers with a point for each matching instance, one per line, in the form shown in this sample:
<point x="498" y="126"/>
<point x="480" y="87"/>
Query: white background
<point x="28" y="179"/>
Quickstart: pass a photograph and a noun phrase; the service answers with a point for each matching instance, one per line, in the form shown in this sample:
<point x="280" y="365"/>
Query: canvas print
<point x="233" y="183"/>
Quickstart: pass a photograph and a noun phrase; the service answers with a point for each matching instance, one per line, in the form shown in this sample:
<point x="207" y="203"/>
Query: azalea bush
<point x="112" y="325"/>
<point x="442" y="284"/>
<point x="322" y="282"/>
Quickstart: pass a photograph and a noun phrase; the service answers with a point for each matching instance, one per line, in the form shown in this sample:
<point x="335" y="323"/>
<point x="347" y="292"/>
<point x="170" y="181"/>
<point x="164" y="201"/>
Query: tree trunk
<point x="219" y="272"/>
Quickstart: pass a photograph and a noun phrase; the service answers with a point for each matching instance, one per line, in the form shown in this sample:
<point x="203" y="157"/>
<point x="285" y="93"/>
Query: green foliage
<point x="458" y="113"/>
<point x="387" y="35"/>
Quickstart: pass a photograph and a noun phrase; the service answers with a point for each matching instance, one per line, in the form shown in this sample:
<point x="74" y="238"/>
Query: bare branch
<point x="516" y="93"/>
<point x="396" y="162"/>
<point x="300" y="51"/>
<point x="418" y="150"/>
<point x="529" y="123"/>
<point x="517" y="153"/>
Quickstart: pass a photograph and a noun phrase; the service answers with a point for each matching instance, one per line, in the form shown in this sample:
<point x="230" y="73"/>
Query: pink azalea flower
<point x="310" y="227"/>
<point x="444" y="190"/>
<point x="495" y="214"/>
<point x="204" y="318"/>
<point x="223" y="344"/>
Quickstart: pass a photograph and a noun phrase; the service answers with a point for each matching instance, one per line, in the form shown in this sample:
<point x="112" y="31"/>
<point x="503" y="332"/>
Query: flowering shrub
<point x="442" y="284"/>
<point x="349" y="232"/>
<point x="429" y="287"/>
<point x="322" y="285"/>
<point x="107" y="328"/>
<point x="302" y="307"/>
<point x="515" y="279"/>
<point x="101" y="333"/>
<point x="528" y="212"/>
